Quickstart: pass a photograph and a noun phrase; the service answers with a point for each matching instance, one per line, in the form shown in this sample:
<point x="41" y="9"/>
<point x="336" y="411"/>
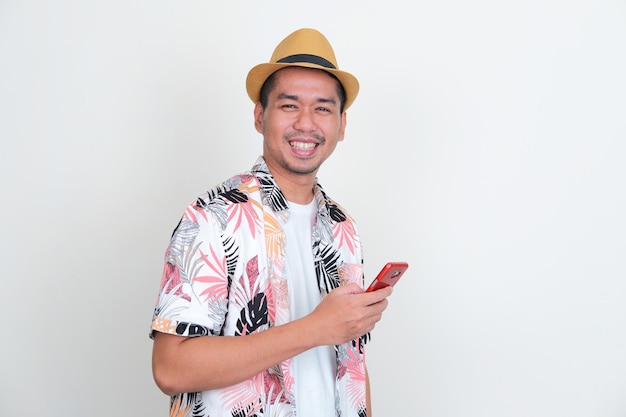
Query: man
<point x="262" y="310"/>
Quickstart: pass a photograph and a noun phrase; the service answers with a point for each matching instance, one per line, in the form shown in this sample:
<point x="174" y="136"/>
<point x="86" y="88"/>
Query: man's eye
<point x="324" y="109"/>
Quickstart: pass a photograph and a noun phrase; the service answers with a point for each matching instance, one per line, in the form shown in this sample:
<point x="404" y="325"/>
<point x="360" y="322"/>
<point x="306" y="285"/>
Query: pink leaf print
<point x="217" y="282"/>
<point x="252" y="270"/>
<point x="273" y="386"/>
<point x="351" y="273"/>
<point x="356" y="383"/>
<point x="345" y="235"/>
<point x="192" y="211"/>
<point x="243" y="212"/>
<point x="243" y="395"/>
<point x="170" y="281"/>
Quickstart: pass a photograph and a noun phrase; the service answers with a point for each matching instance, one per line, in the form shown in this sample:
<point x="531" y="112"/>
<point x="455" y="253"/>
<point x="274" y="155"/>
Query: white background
<point x="486" y="148"/>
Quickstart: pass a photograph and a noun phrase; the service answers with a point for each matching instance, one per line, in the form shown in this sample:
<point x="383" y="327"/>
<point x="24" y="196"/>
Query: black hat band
<point x="311" y="59"/>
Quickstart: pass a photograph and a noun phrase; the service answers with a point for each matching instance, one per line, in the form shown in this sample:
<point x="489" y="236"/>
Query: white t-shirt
<point x="314" y="370"/>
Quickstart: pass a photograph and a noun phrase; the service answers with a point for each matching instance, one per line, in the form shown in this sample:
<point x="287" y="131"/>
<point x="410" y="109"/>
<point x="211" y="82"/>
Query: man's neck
<point x="296" y="188"/>
<point x="296" y="193"/>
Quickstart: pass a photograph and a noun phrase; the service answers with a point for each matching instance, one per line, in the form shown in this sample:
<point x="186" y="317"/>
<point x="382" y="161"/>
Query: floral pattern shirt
<point x="224" y="275"/>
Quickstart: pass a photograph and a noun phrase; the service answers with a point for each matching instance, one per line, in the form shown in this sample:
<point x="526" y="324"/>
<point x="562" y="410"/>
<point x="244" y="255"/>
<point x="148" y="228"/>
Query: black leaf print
<point x="362" y="341"/>
<point x="199" y="407"/>
<point x="239" y="411"/>
<point x="235" y="196"/>
<point x="335" y="213"/>
<point x="272" y="194"/>
<point x="201" y="203"/>
<point x="192" y="329"/>
<point x="188" y="400"/>
<point x="253" y="316"/>
<point x="215" y="192"/>
<point x="326" y="269"/>
<point x="232" y="256"/>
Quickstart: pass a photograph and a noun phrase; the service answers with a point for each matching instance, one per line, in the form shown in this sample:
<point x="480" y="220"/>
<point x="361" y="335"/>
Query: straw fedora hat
<point x="303" y="48"/>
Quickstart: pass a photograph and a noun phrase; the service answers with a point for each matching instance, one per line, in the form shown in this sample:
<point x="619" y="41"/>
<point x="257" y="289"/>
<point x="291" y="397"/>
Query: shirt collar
<point x="273" y="197"/>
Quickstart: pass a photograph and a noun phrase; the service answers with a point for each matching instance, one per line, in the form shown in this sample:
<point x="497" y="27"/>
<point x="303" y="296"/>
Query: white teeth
<point x="305" y="146"/>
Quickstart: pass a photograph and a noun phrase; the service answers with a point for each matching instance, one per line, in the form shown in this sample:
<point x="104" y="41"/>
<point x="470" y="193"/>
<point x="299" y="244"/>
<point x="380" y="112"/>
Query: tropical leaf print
<point x="181" y="404"/>
<point x="253" y="316"/>
<point x="350" y="273"/>
<point x="275" y="246"/>
<point x="193" y="211"/>
<point x="216" y="206"/>
<point x="171" y="283"/>
<point x="345" y="234"/>
<point x="247" y="283"/>
<point x="181" y="253"/>
<point x="351" y="363"/>
<point x="273" y="387"/>
<point x="183" y="236"/>
<point x="361" y="342"/>
<point x="216" y="278"/>
<point x="336" y="213"/>
<point x="167" y="306"/>
<point x="198" y="409"/>
<point x="235" y="196"/>
<point x="213" y="194"/>
<point x="243" y="398"/>
<point x="190" y="264"/>
<point x="191" y="329"/>
<point x="231" y="249"/>
<point x="326" y="269"/>
<point x="274" y="238"/>
<point x="278" y="300"/>
<point x="252" y="272"/>
<point x="243" y="213"/>
<point x="252" y="410"/>
<point x="271" y="193"/>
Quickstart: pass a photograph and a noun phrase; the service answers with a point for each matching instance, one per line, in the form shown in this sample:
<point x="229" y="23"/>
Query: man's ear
<point x="342" y="127"/>
<point x="258" y="117"/>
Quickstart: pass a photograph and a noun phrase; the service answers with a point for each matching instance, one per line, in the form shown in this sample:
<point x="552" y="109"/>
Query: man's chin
<point x="301" y="169"/>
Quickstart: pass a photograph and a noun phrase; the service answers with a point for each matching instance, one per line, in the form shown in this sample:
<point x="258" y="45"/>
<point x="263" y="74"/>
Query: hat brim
<point x="260" y="73"/>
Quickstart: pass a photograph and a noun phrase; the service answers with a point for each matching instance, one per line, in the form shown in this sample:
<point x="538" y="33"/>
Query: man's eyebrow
<point x="327" y="100"/>
<point x="285" y="96"/>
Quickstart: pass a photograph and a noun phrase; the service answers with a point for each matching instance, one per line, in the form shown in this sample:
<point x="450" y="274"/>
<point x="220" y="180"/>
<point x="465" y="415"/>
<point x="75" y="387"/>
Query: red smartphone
<point x="388" y="276"/>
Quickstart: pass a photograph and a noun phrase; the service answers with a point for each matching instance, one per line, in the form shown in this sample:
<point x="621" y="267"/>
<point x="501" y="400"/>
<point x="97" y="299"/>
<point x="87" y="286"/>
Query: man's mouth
<point x="303" y="146"/>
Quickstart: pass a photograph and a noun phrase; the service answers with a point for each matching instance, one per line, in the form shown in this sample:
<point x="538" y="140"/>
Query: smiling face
<point x="301" y="125"/>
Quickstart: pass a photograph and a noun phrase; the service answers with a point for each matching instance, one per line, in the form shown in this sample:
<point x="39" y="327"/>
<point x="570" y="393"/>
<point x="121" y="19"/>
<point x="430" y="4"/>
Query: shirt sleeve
<point x="192" y="300"/>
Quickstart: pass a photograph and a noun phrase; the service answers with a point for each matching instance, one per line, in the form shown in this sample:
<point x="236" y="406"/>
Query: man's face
<point x="301" y="123"/>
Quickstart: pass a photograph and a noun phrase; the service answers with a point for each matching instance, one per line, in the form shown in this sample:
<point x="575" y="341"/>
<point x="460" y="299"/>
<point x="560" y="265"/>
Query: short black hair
<point x="268" y="86"/>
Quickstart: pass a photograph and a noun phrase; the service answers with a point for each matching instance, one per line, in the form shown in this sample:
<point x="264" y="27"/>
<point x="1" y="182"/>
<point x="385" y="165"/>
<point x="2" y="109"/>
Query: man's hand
<point x="347" y="313"/>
